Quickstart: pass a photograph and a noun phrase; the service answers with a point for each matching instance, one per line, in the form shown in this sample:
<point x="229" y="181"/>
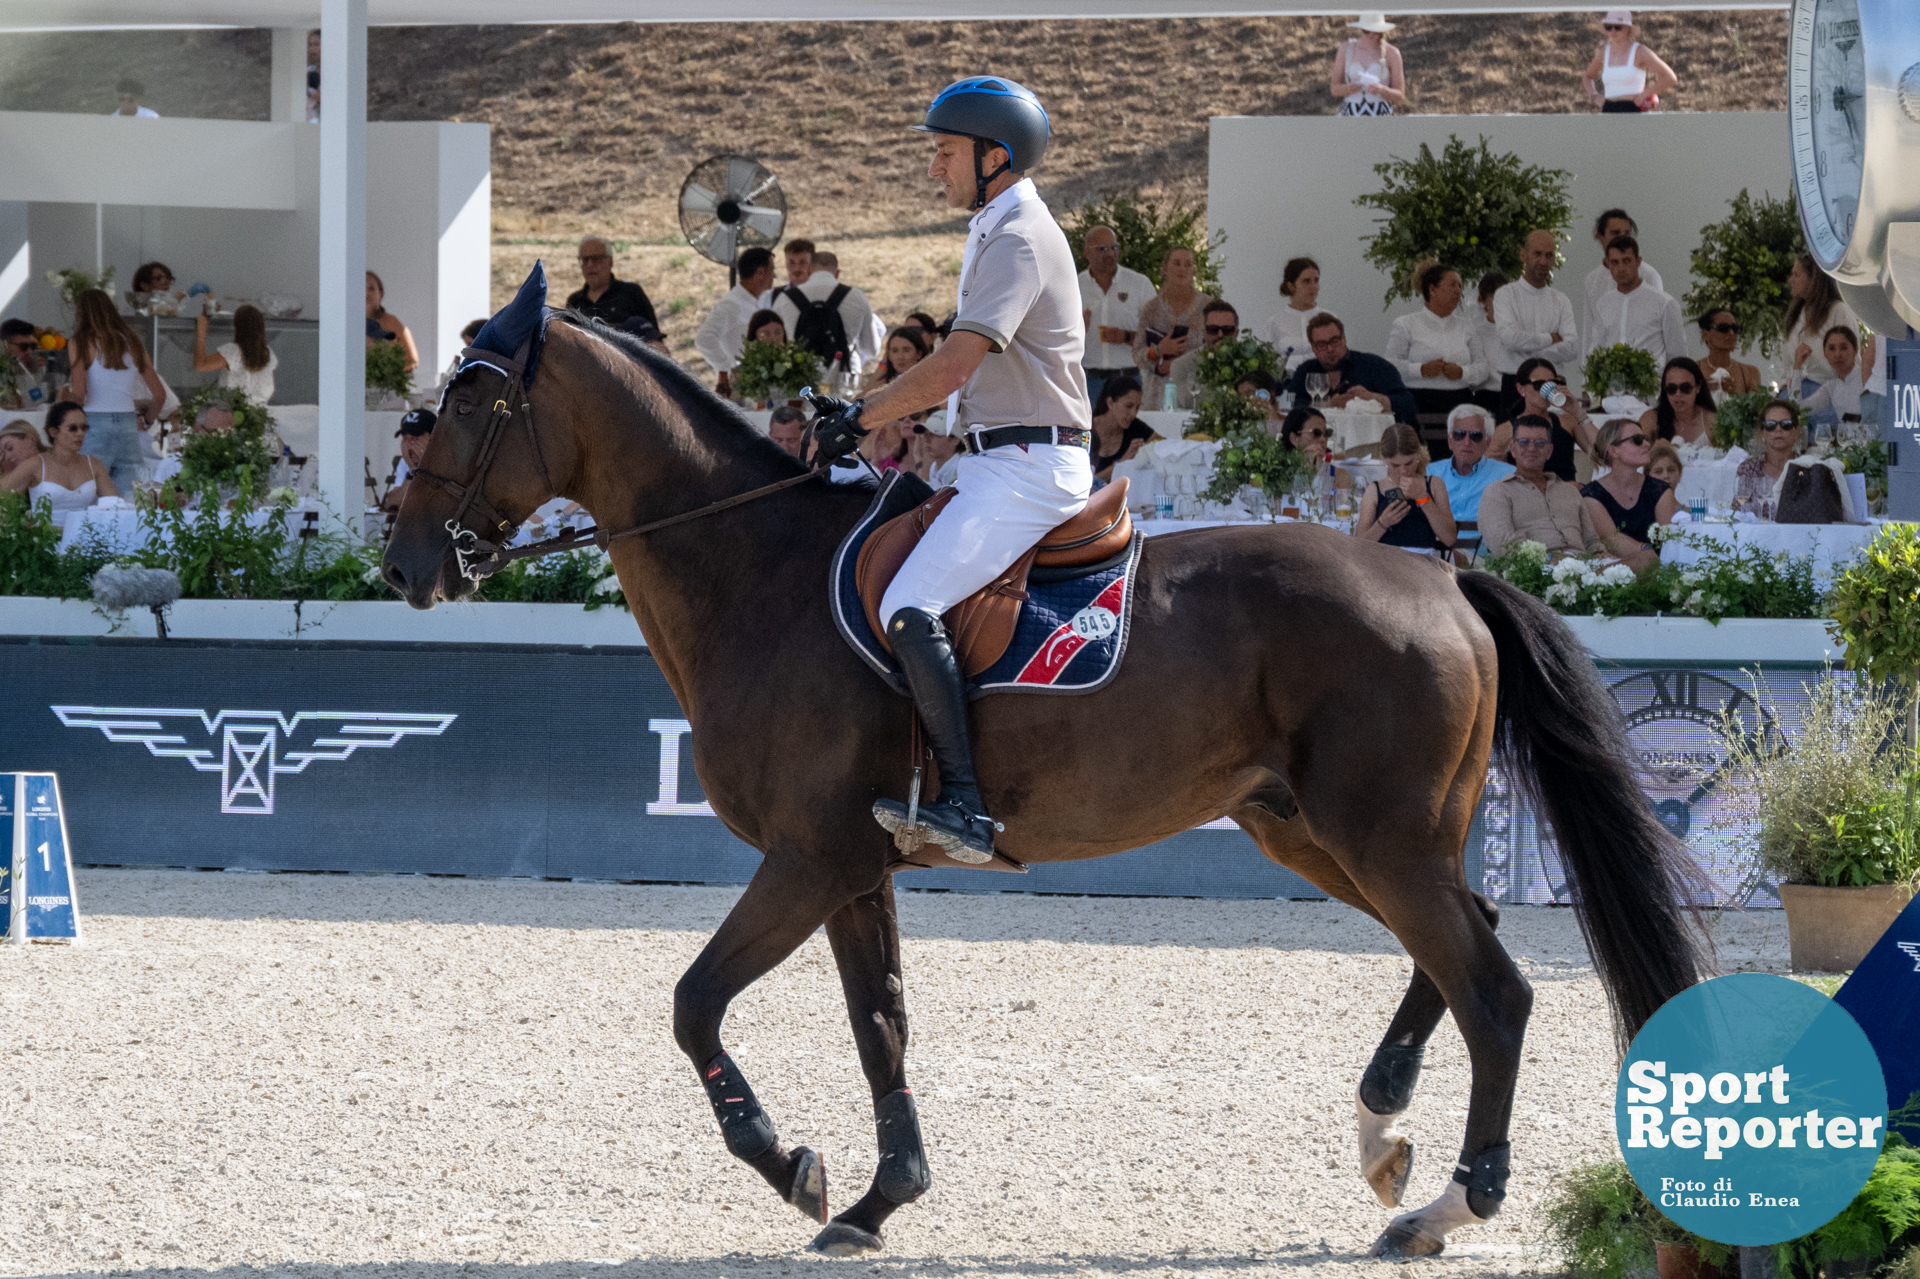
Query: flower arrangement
<point x="1618" y="369"/>
<point x="1466" y="207"/>
<point x="1737" y="417"/>
<point x="1223" y="367"/>
<point x="1221" y="414"/>
<point x="70" y="282"/>
<point x="1147" y="231"/>
<point x="387" y="368"/>
<point x="775" y="370"/>
<point x="1253" y="457"/>
<point x="220" y="457"/>
<point x="1725" y="582"/>
<point x="1742" y="265"/>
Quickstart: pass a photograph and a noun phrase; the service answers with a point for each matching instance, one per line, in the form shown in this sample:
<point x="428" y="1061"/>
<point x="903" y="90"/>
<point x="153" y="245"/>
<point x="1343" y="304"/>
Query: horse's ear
<point x="518" y="320"/>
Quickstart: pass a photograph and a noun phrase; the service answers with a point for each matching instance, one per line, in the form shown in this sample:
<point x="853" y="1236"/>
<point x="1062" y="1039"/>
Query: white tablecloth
<point x="1353" y="428"/>
<point x="1831" y="545"/>
<point x="121" y="527"/>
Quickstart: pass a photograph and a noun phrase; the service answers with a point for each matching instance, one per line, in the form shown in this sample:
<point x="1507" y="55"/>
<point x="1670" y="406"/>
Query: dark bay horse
<point x="1363" y="778"/>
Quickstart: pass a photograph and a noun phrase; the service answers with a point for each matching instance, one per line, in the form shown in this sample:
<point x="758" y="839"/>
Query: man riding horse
<point x="1024" y="411"/>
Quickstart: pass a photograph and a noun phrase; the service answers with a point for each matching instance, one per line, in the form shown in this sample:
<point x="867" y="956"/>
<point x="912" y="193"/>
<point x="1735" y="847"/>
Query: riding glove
<point x="836" y="428"/>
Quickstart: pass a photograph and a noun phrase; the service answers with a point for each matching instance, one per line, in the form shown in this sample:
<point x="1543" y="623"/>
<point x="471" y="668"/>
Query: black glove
<point x="836" y="427"/>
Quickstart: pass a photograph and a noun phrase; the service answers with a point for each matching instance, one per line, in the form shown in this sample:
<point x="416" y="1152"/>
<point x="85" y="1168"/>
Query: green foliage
<point x="220" y="552"/>
<point x="1220" y="414"/>
<point x="1223" y="366"/>
<point x="222" y="458"/>
<point x="387" y="368"/>
<point x="1737" y="417"/>
<point x="11" y="372"/>
<point x="31" y="562"/>
<point x="71" y="282"/>
<point x="1867" y="459"/>
<point x="1148" y="232"/>
<point x="1742" y="265"/>
<point x="1885" y="1211"/>
<point x="1875" y="606"/>
<point x="1725" y="582"/>
<point x="1627" y="368"/>
<point x="1871" y="843"/>
<point x="335" y="567"/>
<point x="1467" y="208"/>
<point x="1602" y="1226"/>
<point x="577" y="577"/>
<point x="1257" y="458"/>
<point x="775" y="370"/>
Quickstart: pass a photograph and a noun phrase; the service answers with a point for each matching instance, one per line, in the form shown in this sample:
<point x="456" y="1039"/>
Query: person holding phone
<point x="1166" y="347"/>
<point x="1409" y="508"/>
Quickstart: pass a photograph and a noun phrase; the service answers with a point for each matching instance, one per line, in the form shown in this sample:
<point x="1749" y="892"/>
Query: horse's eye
<point x="463" y="408"/>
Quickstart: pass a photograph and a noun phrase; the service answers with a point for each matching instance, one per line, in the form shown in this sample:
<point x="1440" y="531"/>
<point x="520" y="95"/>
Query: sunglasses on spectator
<point x="1612" y="26"/>
<point x="1777" y="424"/>
<point x="1222" y="330"/>
<point x="1317" y="433"/>
<point x="1635" y="440"/>
<point x="1475" y="436"/>
<point x="1681" y="388"/>
<point x="1725" y="328"/>
<point x="1537" y="384"/>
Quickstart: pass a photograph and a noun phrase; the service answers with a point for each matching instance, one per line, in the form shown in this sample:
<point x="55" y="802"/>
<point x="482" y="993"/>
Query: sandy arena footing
<point x="330" y="1077"/>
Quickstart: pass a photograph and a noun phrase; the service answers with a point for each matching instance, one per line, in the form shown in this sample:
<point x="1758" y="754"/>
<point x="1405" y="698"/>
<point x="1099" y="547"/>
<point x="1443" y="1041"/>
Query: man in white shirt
<point x="1111" y="296"/>
<point x="1635" y="312"/>
<point x="823" y="298"/>
<point x="1533" y="318"/>
<point x="130" y="92"/>
<point x="723" y="334"/>
<point x="868" y="346"/>
<point x="1608" y="227"/>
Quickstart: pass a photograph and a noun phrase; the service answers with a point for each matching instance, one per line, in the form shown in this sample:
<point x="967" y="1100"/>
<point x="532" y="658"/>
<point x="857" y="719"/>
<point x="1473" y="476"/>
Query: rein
<point x="479" y="558"/>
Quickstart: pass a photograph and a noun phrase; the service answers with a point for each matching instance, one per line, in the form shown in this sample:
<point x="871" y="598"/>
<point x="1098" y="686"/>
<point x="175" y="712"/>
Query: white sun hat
<point x="1374" y="21"/>
<point x="1618" y="18"/>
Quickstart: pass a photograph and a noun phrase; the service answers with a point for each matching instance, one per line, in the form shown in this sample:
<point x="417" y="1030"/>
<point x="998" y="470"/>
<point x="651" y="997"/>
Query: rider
<point x="1010" y="376"/>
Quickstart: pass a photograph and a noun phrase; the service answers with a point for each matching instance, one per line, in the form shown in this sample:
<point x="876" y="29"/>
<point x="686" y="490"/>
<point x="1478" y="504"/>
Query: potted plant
<point x="1250" y="457"/>
<point x="1876" y="614"/>
<point x="1602" y="1226"/>
<point x="770" y="371"/>
<point x="70" y="282"/>
<point x="1224" y="366"/>
<point x="1148" y="231"/>
<point x="1220" y="414"/>
<point x="1621" y="370"/>
<point x="1742" y="265"/>
<point x="387" y="377"/>
<point x="218" y="458"/>
<point x="1837" y="811"/>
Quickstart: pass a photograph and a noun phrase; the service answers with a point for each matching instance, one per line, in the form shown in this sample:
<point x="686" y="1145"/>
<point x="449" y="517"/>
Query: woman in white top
<point x="1498" y="356"/>
<point x="64" y="476"/>
<point x="1286" y="329"/>
<point x="245" y="364"/>
<point x="1626" y="77"/>
<point x="1816" y="310"/>
<point x="112" y="378"/>
<point x="1437" y="348"/>
<point x="1367" y="76"/>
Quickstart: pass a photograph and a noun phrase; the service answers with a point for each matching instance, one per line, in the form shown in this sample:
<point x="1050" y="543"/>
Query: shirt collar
<point x="1001" y="205"/>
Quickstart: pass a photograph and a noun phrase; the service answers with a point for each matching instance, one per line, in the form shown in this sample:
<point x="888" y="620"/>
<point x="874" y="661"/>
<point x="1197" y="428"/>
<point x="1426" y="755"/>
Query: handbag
<point x="1809" y="495"/>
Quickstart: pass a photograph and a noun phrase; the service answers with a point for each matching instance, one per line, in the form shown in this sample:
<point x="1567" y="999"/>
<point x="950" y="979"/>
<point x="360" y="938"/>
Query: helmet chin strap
<point x="981" y="178"/>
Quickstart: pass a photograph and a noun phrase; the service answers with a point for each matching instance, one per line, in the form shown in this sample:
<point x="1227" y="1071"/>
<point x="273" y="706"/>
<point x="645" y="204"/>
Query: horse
<point x="1363" y="780"/>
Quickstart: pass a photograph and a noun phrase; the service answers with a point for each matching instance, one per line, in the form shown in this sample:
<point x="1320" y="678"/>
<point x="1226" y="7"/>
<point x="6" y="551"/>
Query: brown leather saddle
<point x="982" y="624"/>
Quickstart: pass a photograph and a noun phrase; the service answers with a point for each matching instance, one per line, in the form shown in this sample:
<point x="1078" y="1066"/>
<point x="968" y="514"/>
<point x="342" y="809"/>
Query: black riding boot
<point x="958" y="820"/>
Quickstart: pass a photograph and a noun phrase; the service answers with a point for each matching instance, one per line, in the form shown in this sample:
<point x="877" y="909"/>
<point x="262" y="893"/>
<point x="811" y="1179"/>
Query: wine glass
<point x="1316" y="384"/>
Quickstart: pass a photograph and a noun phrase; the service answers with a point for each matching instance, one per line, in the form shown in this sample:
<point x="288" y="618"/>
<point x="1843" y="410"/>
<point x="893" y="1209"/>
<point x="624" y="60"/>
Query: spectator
<point x="1568" y="425"/>
<point x="1684" y="412"/>
<point x="153" y="277"/>
<point x="1664" y="464"/>
<point x="1351" y="375"/>
<point x="1625" y="503"/>
<point x="799" y="255"/>
<point x="1166" y="348"/>
<point x="1816" y="309"/>
<point x="1367" y="76"/>
<point x="1437" y="348"/>
<point x="1219" y="322"/>
<point x="1469" y="470"/>
<point x="1635" y="313"/>
<point x="1616" y="79"/>
<point x="245" y="364"/>
<point x="1607" y="228"/>
<point x="934" y="455"/>
<point x="885" y="445"/>
<point x="384" y="326"/>
<point x="1533" y="319"/>
<point x="906" y="347"/>
<point x="1720" y="332"/>
<point x="415" y="433"/>
<point x="1118" y="433"/>
<point x="472" y="331"/>
<point x="786" y="428"/>
<point x="723" y="334"/>
<point x="869" y="344"/>
<point x="19" y="341"/>
<point x="1286" y="329"/>
<point x="1264" y="391"/>
<point x="1497" y="356"/>
<point x="313" y="77"/>
<point x="130" y="92"/>
<point x="1843" y="399"/>
<point x="1776" y="443"/>
<point x="1533" y="504"/>
<point x="1408" y="509"/>
<point x="19" y="442"/>
<point x="1305" y="430"/>
<point x="111" y="376"/>
<point x="69" y="478"/>
<point x="828" y="318"/>
<point x="767" y="326"/>
<point x="1111" y="298"/>
<point x="933" y="328"/>
<point x="602" y="297"/>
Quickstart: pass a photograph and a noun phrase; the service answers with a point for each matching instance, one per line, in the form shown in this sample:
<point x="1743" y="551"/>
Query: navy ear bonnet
<point x="517" y="330"/>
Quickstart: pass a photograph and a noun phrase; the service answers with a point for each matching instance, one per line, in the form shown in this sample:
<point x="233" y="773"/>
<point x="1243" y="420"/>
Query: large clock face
<point x="1827" y="99"/>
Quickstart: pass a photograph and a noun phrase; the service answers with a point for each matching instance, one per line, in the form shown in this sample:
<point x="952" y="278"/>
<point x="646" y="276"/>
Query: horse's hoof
<point x="842" y="1240"/>
<point x="809" y="1190"/>
<point x="1389" y="1173"/>
<point x="1405" y="1242"/>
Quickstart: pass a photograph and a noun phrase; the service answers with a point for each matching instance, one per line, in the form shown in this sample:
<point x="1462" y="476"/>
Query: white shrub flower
<point x="1617" y="575"/>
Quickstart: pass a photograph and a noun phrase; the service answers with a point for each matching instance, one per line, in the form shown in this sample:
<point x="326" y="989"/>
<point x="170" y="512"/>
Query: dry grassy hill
<point x="596" y="126"/>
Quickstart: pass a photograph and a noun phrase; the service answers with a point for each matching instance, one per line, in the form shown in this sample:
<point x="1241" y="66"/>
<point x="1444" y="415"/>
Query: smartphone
<point x="1179" y="331"/>
<point x="1390" y="496"/>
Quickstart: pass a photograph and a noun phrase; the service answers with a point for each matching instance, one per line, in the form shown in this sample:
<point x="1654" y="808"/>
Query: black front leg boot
<point x="958" y="820"/>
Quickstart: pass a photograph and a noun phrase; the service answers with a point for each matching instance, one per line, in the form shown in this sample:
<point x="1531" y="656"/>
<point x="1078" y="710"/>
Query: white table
<point x="1831" y="545"/>
<point x="1353" y="428"/>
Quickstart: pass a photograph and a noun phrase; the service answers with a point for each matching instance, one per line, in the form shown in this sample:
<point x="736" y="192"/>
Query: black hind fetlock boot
<point x="957" y="821"/>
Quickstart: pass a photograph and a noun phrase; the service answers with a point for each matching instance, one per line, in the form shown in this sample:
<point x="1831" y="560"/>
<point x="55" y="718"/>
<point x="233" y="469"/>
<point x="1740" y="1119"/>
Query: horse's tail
<point x="1561" y="736"/>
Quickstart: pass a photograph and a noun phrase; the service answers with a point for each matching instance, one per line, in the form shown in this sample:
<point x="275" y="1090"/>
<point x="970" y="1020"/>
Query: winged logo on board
<point x="249" y="749"/>
<point x="1912" y="951"/>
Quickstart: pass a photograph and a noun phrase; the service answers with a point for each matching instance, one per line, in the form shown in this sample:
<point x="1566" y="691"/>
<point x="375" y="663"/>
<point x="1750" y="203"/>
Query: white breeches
<point x="1009" y="499"/>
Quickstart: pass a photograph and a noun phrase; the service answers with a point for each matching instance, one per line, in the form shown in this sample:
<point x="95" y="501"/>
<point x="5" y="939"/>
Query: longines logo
<point x="251" y="748"/>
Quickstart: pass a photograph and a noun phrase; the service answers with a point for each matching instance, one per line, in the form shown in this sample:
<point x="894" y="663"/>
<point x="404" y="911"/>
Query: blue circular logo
<point x="1751" y="1109"/>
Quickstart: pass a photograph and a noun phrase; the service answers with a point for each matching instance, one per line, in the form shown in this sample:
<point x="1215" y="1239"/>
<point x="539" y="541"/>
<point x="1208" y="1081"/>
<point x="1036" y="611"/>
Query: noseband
<point x="479" y="558"/>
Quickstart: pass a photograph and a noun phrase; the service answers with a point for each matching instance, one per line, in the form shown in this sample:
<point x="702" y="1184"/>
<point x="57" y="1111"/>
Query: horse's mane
<point x="684" y="390"/>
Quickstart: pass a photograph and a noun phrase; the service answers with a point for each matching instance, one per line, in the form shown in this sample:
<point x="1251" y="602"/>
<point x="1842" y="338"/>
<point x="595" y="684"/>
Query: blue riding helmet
<point x="991" y="110"/>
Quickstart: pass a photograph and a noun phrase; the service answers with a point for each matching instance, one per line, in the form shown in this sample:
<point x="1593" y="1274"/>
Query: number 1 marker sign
<point x="36" y="881"/>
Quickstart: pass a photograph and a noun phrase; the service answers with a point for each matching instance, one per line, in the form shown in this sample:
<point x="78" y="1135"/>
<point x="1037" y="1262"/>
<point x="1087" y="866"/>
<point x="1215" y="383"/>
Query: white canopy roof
<point x="42" y="15"/>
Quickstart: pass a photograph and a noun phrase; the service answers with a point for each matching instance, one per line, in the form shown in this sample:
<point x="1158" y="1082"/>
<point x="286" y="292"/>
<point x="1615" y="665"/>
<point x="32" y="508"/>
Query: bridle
<point x="479" y="558"/>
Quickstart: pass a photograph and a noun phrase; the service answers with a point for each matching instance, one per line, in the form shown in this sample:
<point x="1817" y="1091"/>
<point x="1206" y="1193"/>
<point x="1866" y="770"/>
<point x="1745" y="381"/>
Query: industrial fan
<point x="729" y="203"/>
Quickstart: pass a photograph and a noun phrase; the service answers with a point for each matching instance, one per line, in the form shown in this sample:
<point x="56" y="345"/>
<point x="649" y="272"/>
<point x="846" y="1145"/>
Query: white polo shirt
<point x="1646" y="318"/>
<point x="723" y="334"/>
<point x="1117" y="306"/>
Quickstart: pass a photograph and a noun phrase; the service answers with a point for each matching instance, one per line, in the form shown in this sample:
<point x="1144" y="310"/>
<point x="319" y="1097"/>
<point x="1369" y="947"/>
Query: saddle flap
<point x="1101" y="530"/>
